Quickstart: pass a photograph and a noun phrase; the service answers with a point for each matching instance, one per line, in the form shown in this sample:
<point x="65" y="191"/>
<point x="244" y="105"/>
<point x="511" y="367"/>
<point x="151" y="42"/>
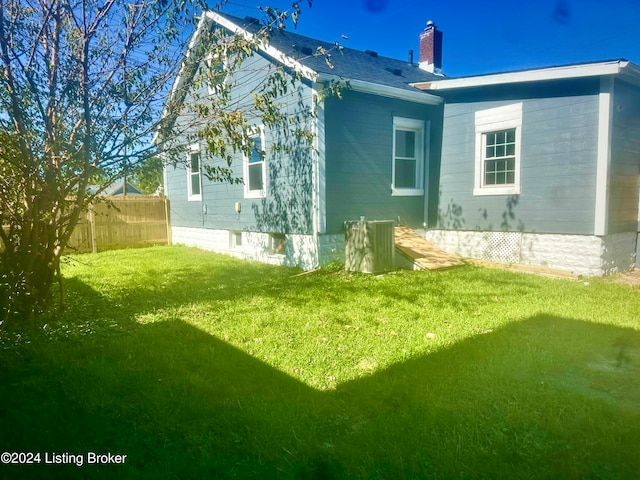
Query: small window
<point x="408" y="157"/>
<point x="194" y="176"/>
<point x="235" y="240"/>
<point x="498" y="139"/>
<point x="255" y="168"/>
<point x="277" y="243"/>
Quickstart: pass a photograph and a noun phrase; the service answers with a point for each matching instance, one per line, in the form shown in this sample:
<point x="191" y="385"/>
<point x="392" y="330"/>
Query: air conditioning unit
<point x="369" y="246"/>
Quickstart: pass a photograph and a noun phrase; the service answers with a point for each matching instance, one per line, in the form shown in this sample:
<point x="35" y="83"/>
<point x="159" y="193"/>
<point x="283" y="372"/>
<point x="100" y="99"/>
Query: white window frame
<point x="417" y="126"/>
<point x="257" y="132"/>
<point x="492" y="120"/>
<point x="195" y="148"/>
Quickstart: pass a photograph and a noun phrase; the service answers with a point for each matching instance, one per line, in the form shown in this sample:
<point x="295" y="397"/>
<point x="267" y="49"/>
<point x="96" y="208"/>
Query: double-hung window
<point x="255" y="167"/>
<point x="408" y="157"/>
<point x="498" y="142"/>
<point x="194" y="173"/>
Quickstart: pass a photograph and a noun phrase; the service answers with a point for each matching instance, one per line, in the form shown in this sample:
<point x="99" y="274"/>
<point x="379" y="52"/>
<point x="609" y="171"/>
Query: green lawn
<point x="196" y="365"/>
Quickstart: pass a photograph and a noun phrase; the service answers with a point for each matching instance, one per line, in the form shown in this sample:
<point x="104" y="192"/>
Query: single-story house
<point x="539" y="166"/>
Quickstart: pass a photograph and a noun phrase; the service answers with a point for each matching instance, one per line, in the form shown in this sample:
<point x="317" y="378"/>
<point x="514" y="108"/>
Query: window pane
<point x="405" y="144"/>
<point x="491" y="139"/>
<point x="255" y="177"/>
<point x="405" y="174"/>
<point x="511" y="149"/>
<point x="490" y="178"/>
<point x="500" y="150"/>
<point x="255" y="152"/>
<point x="194" y="162"/>
<point x="511" y="177"/>
<point x="491" y="152"/>
<point x="511" y="135"/>
<point x="195" y="184"/>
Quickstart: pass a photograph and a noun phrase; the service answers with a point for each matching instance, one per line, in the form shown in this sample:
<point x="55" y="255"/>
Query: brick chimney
<point x="431" y="49"/>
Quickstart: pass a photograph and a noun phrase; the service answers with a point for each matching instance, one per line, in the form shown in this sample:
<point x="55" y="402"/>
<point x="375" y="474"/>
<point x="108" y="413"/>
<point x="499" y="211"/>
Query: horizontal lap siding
<point x="557" y="165"/>
<point x="625" y="159"/>
<point x="287" y="208"/>
<point x="358" y="152"/>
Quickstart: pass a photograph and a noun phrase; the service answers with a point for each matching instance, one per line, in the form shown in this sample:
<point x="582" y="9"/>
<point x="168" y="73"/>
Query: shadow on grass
<point x="545" y="397"/>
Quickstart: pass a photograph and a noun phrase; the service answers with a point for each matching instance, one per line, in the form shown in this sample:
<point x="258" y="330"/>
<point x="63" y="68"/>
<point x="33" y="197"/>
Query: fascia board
<point x="553" y="73"/>
<point x="179" y="80"/>
<point x="384" y="90"/>
<point x="274" y="53"/>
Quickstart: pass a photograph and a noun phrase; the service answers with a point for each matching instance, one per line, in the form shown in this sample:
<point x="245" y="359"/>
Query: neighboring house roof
<point x="114" y="189"/>
<point x="623" y="68"/>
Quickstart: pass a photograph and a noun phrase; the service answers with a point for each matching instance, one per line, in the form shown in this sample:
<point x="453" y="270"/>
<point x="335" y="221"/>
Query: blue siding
<point x="558" y="162"/>
<point x="625" y="159"/>
<point x="358" y="151"/>
<point x="287" y="208"/>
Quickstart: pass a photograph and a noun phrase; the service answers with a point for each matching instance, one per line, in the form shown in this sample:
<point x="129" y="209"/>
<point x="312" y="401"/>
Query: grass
<point x="197" y="365"/>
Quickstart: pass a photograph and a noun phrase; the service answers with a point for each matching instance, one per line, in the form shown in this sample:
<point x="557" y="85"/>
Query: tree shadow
<point x="546" y="397"/>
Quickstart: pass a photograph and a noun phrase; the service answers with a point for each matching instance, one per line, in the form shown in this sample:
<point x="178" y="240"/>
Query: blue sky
<point x="479" y="36"/>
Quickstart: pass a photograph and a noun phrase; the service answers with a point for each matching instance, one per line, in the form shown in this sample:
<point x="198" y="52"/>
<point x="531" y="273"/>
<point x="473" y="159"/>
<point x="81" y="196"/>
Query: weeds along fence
<point x="122" y="222"/>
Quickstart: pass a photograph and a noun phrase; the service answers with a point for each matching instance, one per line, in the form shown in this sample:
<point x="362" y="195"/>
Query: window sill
<point x="255" y="194"/>
<point x="194" y="198"/>
<point x="407" y="192"/>
<point x="484" y="191"/>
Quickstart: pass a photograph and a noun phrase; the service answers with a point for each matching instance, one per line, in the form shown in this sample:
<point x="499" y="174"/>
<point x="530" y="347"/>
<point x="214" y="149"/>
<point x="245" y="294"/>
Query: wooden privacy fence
<point x="122" y="222"/>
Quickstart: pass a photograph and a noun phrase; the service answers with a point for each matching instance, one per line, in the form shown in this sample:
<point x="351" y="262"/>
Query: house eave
<point x="614" y="67"/>
<point x="180" y="78"/>
<point x="384" y="90"/>
<point x="264" y="47"/>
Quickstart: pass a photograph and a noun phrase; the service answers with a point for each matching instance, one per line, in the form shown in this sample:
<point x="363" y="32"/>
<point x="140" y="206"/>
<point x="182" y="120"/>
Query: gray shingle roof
<point x="347" y="62"/>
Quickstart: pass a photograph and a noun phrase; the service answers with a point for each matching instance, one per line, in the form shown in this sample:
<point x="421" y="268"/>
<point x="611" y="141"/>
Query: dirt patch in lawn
<point x="627" y="278"/>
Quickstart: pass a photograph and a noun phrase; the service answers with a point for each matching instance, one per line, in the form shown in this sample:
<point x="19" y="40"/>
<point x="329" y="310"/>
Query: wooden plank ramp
<point x="424" y="254"/>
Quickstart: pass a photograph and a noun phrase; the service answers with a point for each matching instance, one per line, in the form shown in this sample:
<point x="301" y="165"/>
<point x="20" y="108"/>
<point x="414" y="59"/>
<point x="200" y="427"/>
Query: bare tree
<point x="81" y="85"/>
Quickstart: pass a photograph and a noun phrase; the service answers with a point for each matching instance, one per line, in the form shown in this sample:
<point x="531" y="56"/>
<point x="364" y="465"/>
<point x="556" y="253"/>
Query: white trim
<point x="419" y="127"/>
<point x="319" y="169"/>
<point x="357" y="85"/>
<point x="490" y="120"/>
<point x="536" y="75"/>
<point x="362" y="86"/>
<point x="258" y="131"/>
<point x="194" y="148"/>
<point x="179" y="78"/>
<point x="264" y="47"/>
<point x="603" y="156"/>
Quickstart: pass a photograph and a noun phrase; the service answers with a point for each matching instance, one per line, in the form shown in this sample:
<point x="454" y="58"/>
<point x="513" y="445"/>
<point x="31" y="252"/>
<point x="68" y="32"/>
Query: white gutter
<point x="553" y="73"/>
<point x="416" y="96"/>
